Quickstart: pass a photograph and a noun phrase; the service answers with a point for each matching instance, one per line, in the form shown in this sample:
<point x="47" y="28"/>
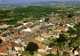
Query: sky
<point x="32" y="0"/>
<point x="29" y="1"/>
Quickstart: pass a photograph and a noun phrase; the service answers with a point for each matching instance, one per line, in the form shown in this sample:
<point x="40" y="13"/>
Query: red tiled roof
<point x="3" y="49"/>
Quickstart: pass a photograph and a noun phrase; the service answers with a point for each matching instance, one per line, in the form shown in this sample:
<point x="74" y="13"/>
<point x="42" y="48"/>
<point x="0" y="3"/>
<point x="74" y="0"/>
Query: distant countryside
<point x="43" y="28"/>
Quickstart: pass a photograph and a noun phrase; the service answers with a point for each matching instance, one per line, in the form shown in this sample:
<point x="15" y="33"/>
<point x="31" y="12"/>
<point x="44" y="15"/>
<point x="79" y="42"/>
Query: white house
<point x="27" y="30"/>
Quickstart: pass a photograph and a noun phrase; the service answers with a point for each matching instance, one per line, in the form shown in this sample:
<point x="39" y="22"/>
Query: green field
<point x="11" y="16"/>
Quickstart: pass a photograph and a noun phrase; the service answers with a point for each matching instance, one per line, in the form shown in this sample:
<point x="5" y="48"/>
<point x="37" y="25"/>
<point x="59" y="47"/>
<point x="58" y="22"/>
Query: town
<point x="40" y="31"/>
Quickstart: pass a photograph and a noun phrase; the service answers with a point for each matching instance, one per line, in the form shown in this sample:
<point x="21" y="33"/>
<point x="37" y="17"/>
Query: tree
<point x="32" y="47"/>
<point x="57" y="42"/>
<point x="1" y="41"/>
<point x="75" y="40"/>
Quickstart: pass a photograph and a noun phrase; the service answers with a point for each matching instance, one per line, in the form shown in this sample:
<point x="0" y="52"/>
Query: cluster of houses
<point x="15" y="38"/>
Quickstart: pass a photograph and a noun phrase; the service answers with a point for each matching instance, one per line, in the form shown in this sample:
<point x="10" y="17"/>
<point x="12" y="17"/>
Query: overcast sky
<point x="37" y="0"/>
<point x="28" y="1"/>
